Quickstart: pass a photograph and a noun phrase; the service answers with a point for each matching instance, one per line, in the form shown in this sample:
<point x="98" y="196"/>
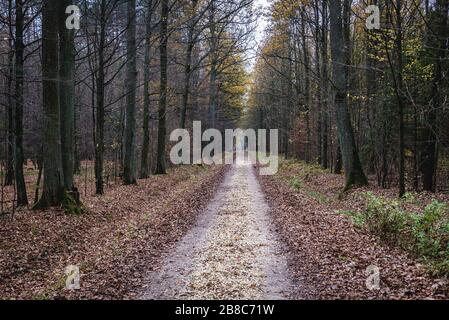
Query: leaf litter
<point x="120" y="238"/>
<point x="329" y="256"/>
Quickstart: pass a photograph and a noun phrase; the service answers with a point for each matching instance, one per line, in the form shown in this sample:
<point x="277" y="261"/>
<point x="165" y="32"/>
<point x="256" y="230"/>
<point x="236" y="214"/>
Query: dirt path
<point x="231" y="253"/>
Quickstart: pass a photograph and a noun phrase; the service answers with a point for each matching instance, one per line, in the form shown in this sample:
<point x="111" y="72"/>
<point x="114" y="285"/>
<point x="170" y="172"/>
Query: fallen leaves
<point x="121" y="237"/>
<point x="329" y="256"/>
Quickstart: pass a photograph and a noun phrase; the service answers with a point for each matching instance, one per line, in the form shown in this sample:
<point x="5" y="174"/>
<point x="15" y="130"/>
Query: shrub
<point x="424" y="234"/>
<point x="409" y="198"/>
<point x="431" y="230"/>
<point x="385" y="218"/>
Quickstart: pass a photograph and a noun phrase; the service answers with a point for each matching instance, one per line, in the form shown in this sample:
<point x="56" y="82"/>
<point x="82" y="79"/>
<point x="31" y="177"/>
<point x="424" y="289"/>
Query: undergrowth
<point x="424" y="234"/>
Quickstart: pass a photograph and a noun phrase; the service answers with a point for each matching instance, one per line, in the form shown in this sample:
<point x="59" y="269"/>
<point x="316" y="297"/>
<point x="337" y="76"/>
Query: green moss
<point x="108" y="216"/>
<point x="71" y="206"/>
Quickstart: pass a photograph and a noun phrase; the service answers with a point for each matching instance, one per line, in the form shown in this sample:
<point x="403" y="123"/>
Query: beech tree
<point x="67" y="96"/>
<point x="19" y="160"/>
<point x="53" y="188"/>
<point x="162" y="130"/>
<point x="129" y="167"/>
<point x="144" y="164"/>
<point x="351" y="162"/>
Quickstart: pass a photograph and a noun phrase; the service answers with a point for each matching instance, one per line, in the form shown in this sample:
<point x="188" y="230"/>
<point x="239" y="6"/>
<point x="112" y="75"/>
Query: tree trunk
<point x="188" y="65"/>
<point x="76" y="149"/>
<point x="66" y="96"/>
<point x="351" y="162"/>
<point x="306" y="59"/>
<point x="325" y="87"/>
<point x="9" y="177"/>
<point x="437" y="36"/>
<point x="99" y="114"/>
<point x="144" y="163"/>
<point x="400" y="96"/>
<point x="22" y="198"/>
<point x="213" y="67"/>
<point x="319" y="123"/>
<point x="129" y="174"/>
<point x="162" y="130"/>
<point x="338" y="161"/>
<point x="53" y="189"/>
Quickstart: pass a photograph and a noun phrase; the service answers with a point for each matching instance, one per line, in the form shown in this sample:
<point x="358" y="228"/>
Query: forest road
<point x="231" y="253"/>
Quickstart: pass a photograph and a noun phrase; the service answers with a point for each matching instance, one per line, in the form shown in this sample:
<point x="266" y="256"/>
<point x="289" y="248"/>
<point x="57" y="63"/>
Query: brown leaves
<point x="329" y="257"/>
<point x="122" y="235"/>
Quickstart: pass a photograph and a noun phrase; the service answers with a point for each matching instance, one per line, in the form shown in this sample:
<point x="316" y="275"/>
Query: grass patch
<point x="357" y="218"/>
<point x="301" y="169"/>
<point x="296" y="183"/>
<point x="318" y="196"/>
<point x="297" y="172"/>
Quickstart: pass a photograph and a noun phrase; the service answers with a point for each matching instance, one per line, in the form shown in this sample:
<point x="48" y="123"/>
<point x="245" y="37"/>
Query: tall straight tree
<point x="144" y="163"/>
<point x="325" y="84"/>
<point x="53" y="189"/>
<point x="437" y="45"/>
<point x="191" y="40"/>
<point x="397" y="70"/>
<point x="162" y="130"/>
<point x="100" y="88"/>
<point x="22" y="198"/>
<point x="305" y="52"/>
<point x="399" y="88"/>
<point x="213" y="92"/>
<point x="129" y="174"/>
<point x="351" y="161"/>
<point x="319" y="123"/>
<point x="9" y="176"/>
<point x="67" y="96"/>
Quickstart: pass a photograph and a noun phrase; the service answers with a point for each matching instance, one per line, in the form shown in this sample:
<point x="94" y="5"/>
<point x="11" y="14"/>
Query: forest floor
<point x="220" y="232"/>
<point x="328" y="254"/>
<point x="115" y="243"/>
